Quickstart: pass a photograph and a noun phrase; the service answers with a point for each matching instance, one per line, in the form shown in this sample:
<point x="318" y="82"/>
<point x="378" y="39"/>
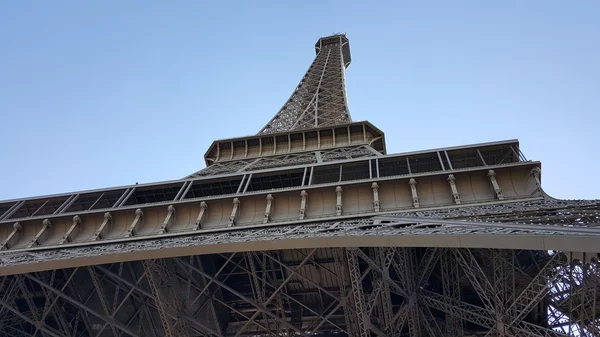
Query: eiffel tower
<point x="309" y="228"/>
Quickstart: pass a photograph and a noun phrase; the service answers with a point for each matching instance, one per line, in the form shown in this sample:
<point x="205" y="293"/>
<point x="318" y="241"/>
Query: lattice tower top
<point x="320" y="98"/>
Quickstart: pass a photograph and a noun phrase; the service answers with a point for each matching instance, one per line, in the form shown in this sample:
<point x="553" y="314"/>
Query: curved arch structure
<point x="309" y="228"/>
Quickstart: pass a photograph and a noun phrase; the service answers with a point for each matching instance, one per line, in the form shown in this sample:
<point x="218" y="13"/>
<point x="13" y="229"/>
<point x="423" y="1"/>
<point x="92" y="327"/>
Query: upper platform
<point x="296" y="141"/>
<point x="338" y="39"/>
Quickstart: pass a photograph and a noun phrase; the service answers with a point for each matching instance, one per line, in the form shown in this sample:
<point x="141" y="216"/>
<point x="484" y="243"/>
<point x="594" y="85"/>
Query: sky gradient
<point x="109" y="93"/>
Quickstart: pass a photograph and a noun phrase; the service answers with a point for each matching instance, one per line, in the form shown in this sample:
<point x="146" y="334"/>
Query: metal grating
<point x="83" y="202"/>
<point x="428" y="163"/>
<point x="28" y="209"/>
<point x="145" y="196"/>
<point x="268" y="182"/>
<point x="393" y="167"/>
<point x="108" y="199"/>
<point x="5" y="207"/>
<point x="355" y="171"/>
<point x="326" y="174"/>
<point x="199" y="189"/>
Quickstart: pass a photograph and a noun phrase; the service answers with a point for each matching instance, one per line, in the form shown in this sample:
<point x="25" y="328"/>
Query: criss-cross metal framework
<point x="323" y="235"/>
<point x="320" y="98"/>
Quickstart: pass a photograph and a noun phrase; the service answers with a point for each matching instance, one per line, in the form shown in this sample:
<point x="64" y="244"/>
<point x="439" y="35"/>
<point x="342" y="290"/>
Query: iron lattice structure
<point x="309" y="228"/>
<point x="320" y="98"/>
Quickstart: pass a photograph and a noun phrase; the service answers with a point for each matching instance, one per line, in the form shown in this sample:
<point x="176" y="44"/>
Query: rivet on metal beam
<point x="413" y="189"/>
<point x="452" y="182"/>
<point x="6" y="244"/>
<point x="236" y="205"/>
<point x="203" y="207"/>
<point x="139" y="214"/>
<point x="338" y="204"/>
<point x="99" y="233"/>
<point x="36" y="239"/>
<point x="375" y="188"/>
<point x="68" y="236"/>
<point x="268" y="207"/>
<point x="165" y="226"/>
<point x="304" y="195"/>
<point x="492" y="175"/>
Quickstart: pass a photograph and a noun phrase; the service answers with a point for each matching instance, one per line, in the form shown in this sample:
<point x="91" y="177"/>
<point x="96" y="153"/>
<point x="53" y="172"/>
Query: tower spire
<point x="320" y="97"/>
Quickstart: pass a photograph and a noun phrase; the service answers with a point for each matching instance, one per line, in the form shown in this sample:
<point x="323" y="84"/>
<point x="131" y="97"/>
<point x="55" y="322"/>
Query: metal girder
<point x="165" y="288"/>
<point x="109" y="320"/>
<point x="52" y="302"/>
<point x="171" y="314"/>
<point x="477" y="277"/>
<point x="102" y="296"/>
<point x="536" y="289"/>
<point x="230" y="289"/>
<point x="399" y="289"/>
<point x="451" y="289"/>
<point x="405" y="262"/>
<point x="343" y="276"/>
<point x="257" y="288"/>
<point x="291" y="298"/>
<point x="42" y="326"/>
<point x="358" y="294"/>
<point x="385" y="258"/>
<point x="482" y="317"/>
<point x="552" y="280"/>
<point x="275" y="293"/>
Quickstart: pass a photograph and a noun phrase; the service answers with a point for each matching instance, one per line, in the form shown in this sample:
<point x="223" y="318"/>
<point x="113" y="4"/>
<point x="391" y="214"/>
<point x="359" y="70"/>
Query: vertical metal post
<point x="338" y="192"/>
<point x="375" y="188"/>
<point x="413" y="189"/>
<point x="441" y="162"/>
<point x="448" y="159"/>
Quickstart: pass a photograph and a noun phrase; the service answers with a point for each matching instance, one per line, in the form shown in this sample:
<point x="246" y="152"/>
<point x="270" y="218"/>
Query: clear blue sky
<point x="101" y="93"/>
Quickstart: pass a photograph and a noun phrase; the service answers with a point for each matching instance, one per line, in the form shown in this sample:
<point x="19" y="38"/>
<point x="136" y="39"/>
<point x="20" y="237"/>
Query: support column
<point x="338" y="204"/>
<point x="385" y="257"/>
<point x="304" y="195"/>
<point x="451" y="289"/>
<point x="406" y="262"/>
<point x="68" y="236"/>
<point x="536" y="172"/>
<point x="99" y="233"/>
<point x="165" y="226"/>
<point x="268" y="208"/>
<point x="101" y="293"/>
<point x="357" y="292"/>
<point x="455" y="195"/>
<point x="342" y="270"/>
<point x="200" y="218"/>
<point x="161" y="276"/>
<point x="413" y="189"/>
<point x="36" y="240"/>
<point x="375" y="188"/>
<point x="13" y="236"/>
<point x="492" y="175"/>
<point x="139" y="214"/>
<point x="236" y="205"/>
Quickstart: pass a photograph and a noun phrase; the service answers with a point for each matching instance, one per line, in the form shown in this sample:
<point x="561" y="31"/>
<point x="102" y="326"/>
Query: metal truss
<point x="320" y="98"/>
<point x="354" y="292"/>
<point x="372" y="291"/>
<point x="361" y="162"/>
<point x="499" y="267"/>
<point x="435" y="227"/>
